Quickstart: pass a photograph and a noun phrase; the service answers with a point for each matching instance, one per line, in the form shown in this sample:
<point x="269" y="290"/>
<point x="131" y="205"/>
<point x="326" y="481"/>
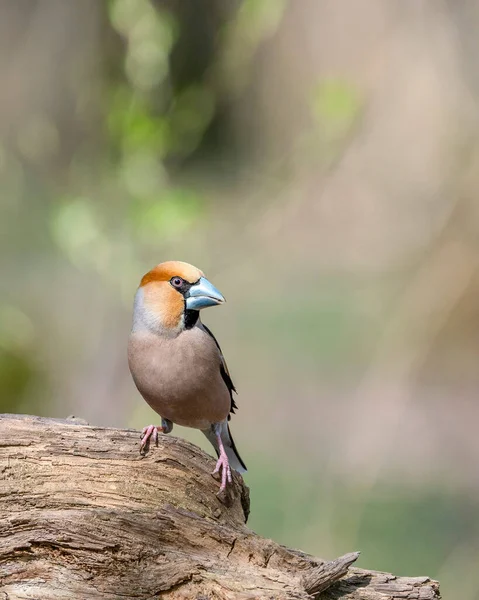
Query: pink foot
<point x="147" y="433"/>
<point x="225" y="473"/>
<point x="222" y="464"/>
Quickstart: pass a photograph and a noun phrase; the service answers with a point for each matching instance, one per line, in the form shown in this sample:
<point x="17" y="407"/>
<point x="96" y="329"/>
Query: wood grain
<point x="84" y="516"/>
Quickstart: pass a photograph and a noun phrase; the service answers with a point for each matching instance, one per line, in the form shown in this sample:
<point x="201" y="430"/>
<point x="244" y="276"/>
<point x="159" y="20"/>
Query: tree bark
<point x="83" y="515"/>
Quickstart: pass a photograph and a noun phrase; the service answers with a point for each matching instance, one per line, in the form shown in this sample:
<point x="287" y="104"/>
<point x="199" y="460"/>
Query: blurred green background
<point x="319" y="160"/>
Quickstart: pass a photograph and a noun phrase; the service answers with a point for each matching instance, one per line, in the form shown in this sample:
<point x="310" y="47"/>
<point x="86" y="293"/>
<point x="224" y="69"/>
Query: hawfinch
<point x="176" y="362"/>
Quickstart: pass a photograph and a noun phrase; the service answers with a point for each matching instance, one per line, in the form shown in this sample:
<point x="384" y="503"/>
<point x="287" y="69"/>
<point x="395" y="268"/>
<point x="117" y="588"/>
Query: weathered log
<point x="84" y="515"/>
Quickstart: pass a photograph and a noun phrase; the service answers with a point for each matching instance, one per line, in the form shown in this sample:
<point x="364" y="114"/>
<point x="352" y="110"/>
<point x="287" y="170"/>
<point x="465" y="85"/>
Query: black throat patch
<point x="191" y="317"/>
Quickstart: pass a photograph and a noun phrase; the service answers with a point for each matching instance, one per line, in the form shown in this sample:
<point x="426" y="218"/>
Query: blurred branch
<point x="421" y="311"/>
<point x="83" y="514"/>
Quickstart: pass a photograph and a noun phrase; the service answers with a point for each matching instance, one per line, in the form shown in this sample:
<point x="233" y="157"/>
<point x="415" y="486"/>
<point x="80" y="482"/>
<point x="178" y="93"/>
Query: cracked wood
<point x="84" y="516"/>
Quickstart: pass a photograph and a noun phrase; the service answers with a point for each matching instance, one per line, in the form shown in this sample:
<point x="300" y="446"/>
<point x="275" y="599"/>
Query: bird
<point x="177" y="364"/>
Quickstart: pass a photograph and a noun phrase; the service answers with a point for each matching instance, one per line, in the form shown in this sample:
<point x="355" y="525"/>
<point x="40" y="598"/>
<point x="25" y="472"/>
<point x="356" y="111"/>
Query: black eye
<point x="177" y="282"/>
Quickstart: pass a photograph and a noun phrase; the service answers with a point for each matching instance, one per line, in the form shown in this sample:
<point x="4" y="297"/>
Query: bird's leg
<point x="148" y="432"/>
<point x="152" y="431"/>
<point x="222" y="462"/>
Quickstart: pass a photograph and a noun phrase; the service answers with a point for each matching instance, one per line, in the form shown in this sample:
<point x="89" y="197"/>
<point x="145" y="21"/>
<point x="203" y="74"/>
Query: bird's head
<point x="170" y="297"/>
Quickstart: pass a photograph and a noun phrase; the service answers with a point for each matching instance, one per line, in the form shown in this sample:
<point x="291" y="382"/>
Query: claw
<point x="146" y="434"/>
<point x="224" y="465"/>
<point x="153" y="430"/>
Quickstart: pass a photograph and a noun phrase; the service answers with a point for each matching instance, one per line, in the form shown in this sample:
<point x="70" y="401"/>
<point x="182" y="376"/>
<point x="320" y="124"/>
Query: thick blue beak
<point x="203" y="294"/>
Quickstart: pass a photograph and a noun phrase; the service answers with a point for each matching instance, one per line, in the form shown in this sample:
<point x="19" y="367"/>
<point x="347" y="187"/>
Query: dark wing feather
<point x="225" y="374"/>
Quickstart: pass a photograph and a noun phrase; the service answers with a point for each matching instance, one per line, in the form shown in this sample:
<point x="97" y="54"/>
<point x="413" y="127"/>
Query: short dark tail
<point x="234" y="458"/>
